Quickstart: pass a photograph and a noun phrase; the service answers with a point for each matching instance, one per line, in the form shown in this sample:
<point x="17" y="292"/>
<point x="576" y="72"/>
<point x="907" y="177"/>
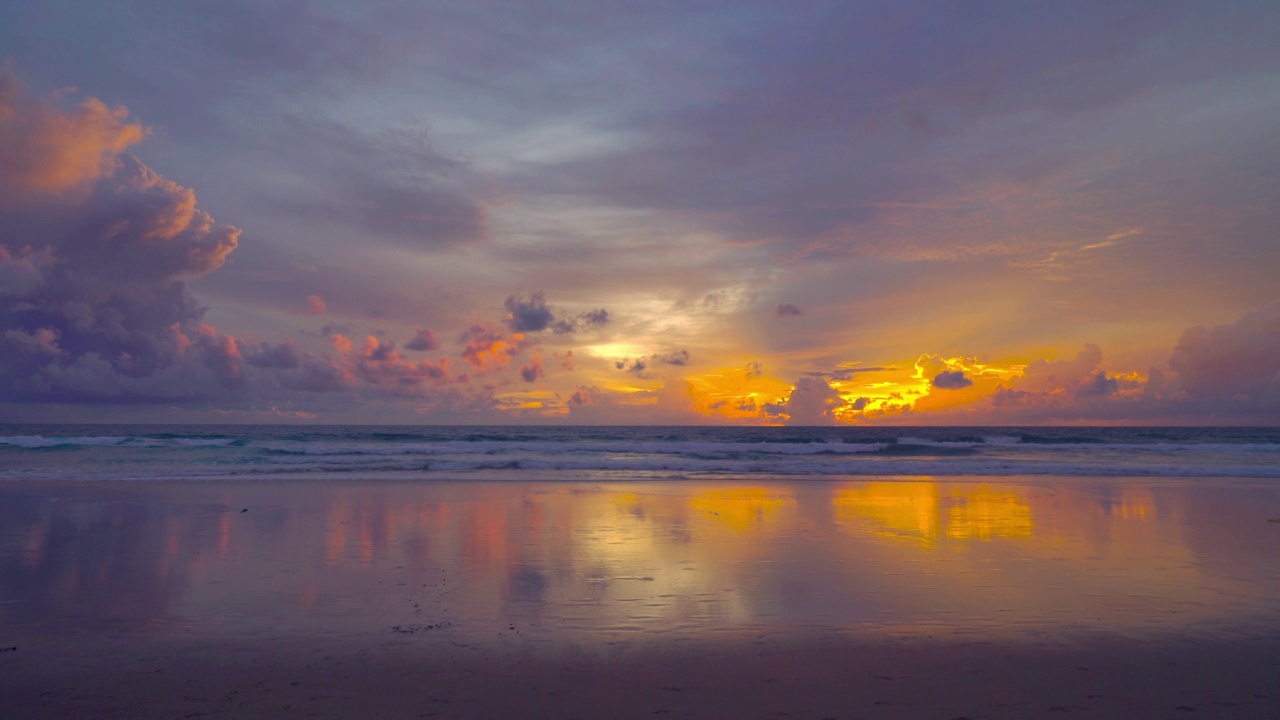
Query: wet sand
<point x="997" y="599"/>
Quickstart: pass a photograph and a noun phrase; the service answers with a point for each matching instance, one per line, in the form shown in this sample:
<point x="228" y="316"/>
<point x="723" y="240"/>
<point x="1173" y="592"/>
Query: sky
<point x="809" y="213"/>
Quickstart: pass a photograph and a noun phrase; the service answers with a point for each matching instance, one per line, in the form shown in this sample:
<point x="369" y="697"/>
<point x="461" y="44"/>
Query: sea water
<point x="218" y="452"/>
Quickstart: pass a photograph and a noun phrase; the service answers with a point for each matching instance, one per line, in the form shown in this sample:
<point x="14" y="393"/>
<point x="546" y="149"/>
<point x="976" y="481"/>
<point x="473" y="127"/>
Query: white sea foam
<point x="924" y="442"/>
<point x="714" y="449"/>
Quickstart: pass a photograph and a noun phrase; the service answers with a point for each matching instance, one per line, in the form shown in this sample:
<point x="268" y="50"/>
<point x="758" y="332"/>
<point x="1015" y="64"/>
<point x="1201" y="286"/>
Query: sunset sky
<point x="716" y="212"/>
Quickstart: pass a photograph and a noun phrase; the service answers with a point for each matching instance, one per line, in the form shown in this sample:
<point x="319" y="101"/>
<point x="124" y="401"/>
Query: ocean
<point x="279" y="452"/>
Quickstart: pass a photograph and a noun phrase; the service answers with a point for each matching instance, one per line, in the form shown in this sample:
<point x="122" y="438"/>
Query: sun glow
<point x="738" y="393"/>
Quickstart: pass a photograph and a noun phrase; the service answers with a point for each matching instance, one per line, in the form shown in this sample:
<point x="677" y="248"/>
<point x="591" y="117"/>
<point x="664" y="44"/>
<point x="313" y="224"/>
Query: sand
<point x="76" y="678"/>
<point x="1137" y="599"/>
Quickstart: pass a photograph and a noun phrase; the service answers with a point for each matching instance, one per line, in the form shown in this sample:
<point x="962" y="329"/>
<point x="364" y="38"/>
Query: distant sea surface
<point x="265" y="452"/>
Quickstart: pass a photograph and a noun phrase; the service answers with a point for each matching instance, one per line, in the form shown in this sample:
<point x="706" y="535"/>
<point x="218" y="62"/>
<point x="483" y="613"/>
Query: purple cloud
<point x="952" y="380"/>
<point x="423" y="340"/>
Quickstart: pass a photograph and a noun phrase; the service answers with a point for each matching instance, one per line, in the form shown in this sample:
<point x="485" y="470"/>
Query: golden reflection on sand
<point x="922" y="512"/>
<point x="744" y="509"/>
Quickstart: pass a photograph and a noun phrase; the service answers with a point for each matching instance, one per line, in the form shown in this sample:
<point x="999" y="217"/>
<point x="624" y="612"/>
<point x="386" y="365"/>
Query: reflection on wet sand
<point x="545" y="562"/>
<point x="923" y="512"/>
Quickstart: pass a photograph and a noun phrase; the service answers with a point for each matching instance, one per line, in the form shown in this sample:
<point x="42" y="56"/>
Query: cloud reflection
<point x="637" y="561"/>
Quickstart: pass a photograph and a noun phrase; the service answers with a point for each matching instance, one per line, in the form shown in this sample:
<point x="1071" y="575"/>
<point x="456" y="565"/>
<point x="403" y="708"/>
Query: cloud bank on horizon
<point x="524" y="212"/>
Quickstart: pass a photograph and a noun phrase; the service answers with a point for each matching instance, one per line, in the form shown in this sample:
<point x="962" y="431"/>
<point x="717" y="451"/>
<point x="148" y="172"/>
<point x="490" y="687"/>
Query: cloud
<point x="489" y="349"/>
<point x="378" y="363"/>
<point x="423" y="340"/>
<point x="953" y="380"/>
<point x="583" y="396"/>
<point x="283" y="356"/>
<point x="47" y="150"/>
<point x="315" y="306"/>
<point x="1076" y="376"/>
<point x="393" y="185"/>
<point x="788" y="310"/>
<point x="594" y="318"/>
<point x="533" y="370"/>
<point x="679" y="358"/>
<point x="532" y="315"/>
<point x="812" y="402"/>
<point x="1234" y="366"/>
<point x="1097" y="383"/>
<point x="847" y="373"/>
<point x="43" y="341"/>
<point x="101" y="246"/>
<point x="635" y="366"/>
<point x="640" y="366"/>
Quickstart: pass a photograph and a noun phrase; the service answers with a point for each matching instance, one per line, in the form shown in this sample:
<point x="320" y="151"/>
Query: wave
<point x="490" y="447"/>
<point x="86" y="452"/>
<point x="675" y="468"/>
<point x="407" y="444"/>
<point x="41" y="442"/>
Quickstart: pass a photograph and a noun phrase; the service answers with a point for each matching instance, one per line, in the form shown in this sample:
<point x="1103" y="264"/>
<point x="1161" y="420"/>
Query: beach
<point x="978" y="597"/>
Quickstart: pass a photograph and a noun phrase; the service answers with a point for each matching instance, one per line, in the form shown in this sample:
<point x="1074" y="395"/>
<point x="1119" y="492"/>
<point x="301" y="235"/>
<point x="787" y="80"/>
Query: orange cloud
<point x="488" y="349"/>
<point x="50" y="151"/>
